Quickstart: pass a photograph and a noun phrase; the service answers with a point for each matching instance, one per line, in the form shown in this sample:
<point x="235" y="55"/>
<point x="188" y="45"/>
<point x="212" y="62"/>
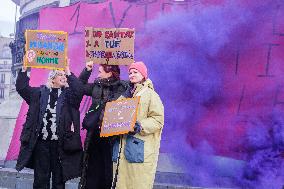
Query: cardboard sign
<point x="114" y="46"/>
<point x="119" y="117"/>
<point x="46" y="49"/>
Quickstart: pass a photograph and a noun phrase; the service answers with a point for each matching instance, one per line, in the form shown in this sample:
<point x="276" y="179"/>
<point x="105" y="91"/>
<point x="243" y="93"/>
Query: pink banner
<point x="244" y="63"/>
<point x="74" y="19"/>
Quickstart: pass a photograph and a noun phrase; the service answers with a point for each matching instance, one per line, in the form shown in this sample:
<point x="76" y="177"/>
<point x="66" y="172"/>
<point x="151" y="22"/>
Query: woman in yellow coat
<point x="135" y="156"/>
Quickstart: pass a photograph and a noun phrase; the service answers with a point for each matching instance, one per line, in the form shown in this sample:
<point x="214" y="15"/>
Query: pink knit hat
<point x="140" y="67"/>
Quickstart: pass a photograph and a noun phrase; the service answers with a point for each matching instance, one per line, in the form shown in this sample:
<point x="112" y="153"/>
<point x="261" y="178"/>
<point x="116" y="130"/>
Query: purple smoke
<point x="186" y="54"/>
<point x="265" y="151"/>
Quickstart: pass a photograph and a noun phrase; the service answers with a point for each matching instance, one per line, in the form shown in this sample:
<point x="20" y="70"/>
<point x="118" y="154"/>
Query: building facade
<point x="7" y="81"/>
<point x="29" y="10"/>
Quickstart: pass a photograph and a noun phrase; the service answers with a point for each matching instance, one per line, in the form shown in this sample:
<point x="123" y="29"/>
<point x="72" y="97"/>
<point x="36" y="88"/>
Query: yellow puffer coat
<point x="151" y="117"/>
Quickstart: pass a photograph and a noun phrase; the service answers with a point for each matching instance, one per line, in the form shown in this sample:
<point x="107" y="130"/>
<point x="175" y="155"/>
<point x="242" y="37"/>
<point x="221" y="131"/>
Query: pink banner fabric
<point x="73" y="19"/>
<point x="246" y="58"/>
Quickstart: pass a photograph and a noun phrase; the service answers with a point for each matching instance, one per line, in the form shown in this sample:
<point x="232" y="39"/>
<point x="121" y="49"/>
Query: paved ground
<point x="11" y="179"/>
<point x="168" y="176"/>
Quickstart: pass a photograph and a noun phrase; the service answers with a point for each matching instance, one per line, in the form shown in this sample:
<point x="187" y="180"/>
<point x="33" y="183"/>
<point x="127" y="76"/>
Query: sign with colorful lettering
<point x="114" y="46"/>
<point x="46" y="49"/>
<point x="119" y="116"/>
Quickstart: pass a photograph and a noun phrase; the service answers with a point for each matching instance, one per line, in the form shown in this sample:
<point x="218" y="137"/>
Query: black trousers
<point x="99" y="171"/>
<point x="47" y="163"/>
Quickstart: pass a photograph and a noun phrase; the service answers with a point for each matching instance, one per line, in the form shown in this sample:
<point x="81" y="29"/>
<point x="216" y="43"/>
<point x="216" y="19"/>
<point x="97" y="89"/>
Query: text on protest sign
<point x="119" y="117"/>
<point x="46" y="49"/>
<point x="114" y="46"/>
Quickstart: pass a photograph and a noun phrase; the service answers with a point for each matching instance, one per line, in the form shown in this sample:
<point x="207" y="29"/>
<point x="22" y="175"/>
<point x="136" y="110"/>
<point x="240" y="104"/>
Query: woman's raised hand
<point x="67" y="67"/>
<point x="89" y="65"/>
<point x="24" y="67"/>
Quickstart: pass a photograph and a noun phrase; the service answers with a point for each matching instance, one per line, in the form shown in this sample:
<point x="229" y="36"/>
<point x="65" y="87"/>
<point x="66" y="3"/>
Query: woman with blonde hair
<point x="50" y="138"/>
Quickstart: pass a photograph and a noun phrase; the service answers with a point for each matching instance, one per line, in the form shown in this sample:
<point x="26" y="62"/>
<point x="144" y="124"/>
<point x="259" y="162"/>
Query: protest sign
<point x="112" y="46"/>
<point x="46" y="49"/>
<point x="119" y="117"/>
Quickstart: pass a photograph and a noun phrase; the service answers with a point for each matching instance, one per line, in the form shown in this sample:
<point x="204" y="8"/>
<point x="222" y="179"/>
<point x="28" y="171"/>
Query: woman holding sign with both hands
<point x="50" y="138"/>
<point x="135" y="156"/>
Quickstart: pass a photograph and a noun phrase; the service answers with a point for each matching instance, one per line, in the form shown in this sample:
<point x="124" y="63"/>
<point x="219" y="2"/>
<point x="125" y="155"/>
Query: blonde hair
<point x="52" y="74"/>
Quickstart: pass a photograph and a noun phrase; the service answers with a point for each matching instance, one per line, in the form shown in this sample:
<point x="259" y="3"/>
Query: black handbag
<point x="92" y="118"/>
<point x="72" y="139"/>
<point x="72" y="142"/>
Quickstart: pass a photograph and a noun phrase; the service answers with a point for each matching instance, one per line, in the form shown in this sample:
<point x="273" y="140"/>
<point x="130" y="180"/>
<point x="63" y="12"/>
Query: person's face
<point x="59" y="80"/>
<point x="135" y="76"/>
<point x="102" y="74"/>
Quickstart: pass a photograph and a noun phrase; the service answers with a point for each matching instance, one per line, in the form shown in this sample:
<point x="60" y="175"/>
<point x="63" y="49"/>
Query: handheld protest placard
<point x="112" y="46"/>
<point x="119" y="117"/>
<point x="46" y="49"/>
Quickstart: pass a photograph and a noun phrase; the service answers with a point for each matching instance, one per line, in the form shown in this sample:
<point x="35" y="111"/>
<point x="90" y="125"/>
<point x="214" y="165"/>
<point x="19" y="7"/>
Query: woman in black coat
<point x="97" y="162"/>
<point x="50" y="139"/>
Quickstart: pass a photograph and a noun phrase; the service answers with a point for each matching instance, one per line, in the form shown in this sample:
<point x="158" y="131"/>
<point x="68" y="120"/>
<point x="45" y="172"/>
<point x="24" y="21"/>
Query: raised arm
<point x="86" y="73"/>
<point x="78" y="87"/>
<point x="84" y="77"/>
<point x="23" y="87"/>
<point x="74" y="94"/>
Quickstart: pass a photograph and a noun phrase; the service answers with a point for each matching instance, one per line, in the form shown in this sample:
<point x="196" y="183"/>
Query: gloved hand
<point x="137" y="129"/>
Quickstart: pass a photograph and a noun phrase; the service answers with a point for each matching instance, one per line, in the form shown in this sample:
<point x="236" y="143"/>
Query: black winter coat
<point x="97" y="162"/>
<point x="67" y="112"/>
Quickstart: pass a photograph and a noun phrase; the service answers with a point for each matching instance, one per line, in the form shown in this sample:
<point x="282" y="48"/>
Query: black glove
<point x="137" y="129"/>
